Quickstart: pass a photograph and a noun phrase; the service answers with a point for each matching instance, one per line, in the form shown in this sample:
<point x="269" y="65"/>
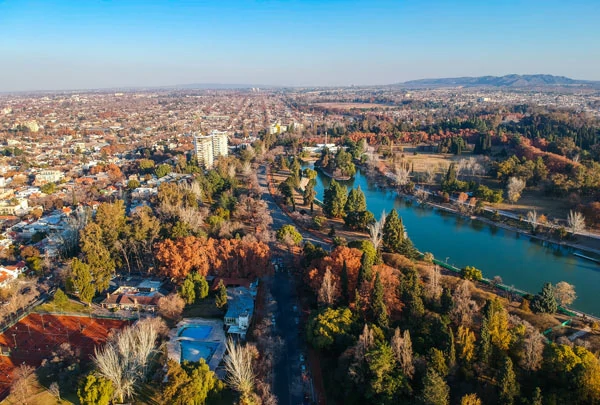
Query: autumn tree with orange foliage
<point x="219" y="257"/>
<point x="335" y="261"/>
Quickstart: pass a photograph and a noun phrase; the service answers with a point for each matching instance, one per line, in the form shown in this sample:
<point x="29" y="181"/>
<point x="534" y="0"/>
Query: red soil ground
<point x="36" y="336"/>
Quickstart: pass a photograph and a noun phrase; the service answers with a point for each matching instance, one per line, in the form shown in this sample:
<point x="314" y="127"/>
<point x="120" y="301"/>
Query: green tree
<point x="334" y="200"/>
<point x="188" y="291"/>
<point x="81" y="279"/>
<point x="329" y="327"/>
<point x="393" y="233"/>
<point x="437" y="361"/>
<point x="162" y="170"/>
<point x="365" y="272"/>
<point x="287" y="191"/>
<point x="356" y="201"/>
<point x="378" y="307"/>
<point x="545" y="301"/>
<point x="133" y="184"/>
<point x="60" y="299"/>
<point x="385" y="381"/>
<point x="435" y="389"/>
<point x="344" y="284"/>
<point x="190" y="383"/>
<point x="537" y="397"/>
<point x="508" y="385"/>
<point x="289" y="232"/>
<point x="471" y="273"/>
<point x="221" y="298"/>
<point x="48" y="188"/>
<point x="97" y="255"/>
<point x="95" y="390"/>
<point x="201" y="285"/>
<point x="309" y="195"/>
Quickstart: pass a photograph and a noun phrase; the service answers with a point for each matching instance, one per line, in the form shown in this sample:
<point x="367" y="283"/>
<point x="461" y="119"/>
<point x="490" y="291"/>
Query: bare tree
<point x="125" y="358"/>
<point x="328" y="289"/>
<point x="55" y="390"/>
<point x="421" y="195"/>
<point x="429" y="176"/>
<point x="464" y="307"/>
<point x="402" y="347"/>
<point x="532" y="218"/>
<point x="171" y="306"/>
<point x="238" y="365"/>
<point x="565" y="293"/>
<point x="576" y="222"/>
<point x="433" y="288"/>
<point x="514" y="188"/>
<point x="376" y="231"/>
<point x="402" y="176"/>
<point x="532" y="349"/>
<point x="23" y="382"/>
<point x="365" y="343"/>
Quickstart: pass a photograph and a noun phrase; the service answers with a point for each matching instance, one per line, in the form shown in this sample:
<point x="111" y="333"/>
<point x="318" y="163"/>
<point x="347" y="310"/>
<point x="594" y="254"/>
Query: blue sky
<point x="102" y="43"/>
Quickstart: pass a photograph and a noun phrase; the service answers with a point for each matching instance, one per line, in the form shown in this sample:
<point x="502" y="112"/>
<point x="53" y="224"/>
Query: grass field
<point x="70" y="306"/>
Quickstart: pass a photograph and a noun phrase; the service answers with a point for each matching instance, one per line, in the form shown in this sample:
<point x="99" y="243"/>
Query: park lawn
<point x="552" y="207"/>
<point x="41" y="396"/>
<point x="70" y="306"/>
<point x="203" y="309"/>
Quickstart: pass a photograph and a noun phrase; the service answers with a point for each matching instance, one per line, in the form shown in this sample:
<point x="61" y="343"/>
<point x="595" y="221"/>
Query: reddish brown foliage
<point x="335" y="262"/>
<point x="232" y="258"/>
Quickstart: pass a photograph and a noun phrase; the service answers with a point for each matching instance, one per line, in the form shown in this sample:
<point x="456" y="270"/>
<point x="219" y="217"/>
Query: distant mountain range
<point x="512" y="81"/>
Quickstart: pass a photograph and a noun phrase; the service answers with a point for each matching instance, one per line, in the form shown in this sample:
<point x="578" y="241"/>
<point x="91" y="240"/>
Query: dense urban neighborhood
<point x="350" y="245"/>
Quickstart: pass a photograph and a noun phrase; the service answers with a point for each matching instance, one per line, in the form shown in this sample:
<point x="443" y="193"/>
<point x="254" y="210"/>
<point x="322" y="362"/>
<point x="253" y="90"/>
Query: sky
<point x="84" y="44"/>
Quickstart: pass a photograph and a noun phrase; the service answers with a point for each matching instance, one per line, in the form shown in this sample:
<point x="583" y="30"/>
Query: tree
<point x="162" y="170"/>
<point x="171" y="306"/>
<point x="471" y="273"/>
<point x="463" y="307"/>
<point x="532" y="218"/>
<point x="329" y="327"/>
<point x="133" y="184"/>
<point x="378" y="307"/>
<point x="221" y="297"/>
<point x="532" y="349"/>
<point x="344" y="284"/>
<point x="60" y="299"/>
<point x="48" y="188"/>
<point x="545" y="301"/>
<point x="356" y="201"/>
<point x="514" y="188"/>
<point x="376" y="231"/>
<point x="238" y="365"/>
<point x="201" y="286"/>
<point x="435" y="389"/>
<point x="190" y="383"/>
<point x="95" y="390"/>
<point x="470" y="399"/>
<point x="328" y="289"/>
<point x="576" y="222"/>
<point x="124" y="359"/>
<point x="402" y="347"/>
<point x="334" y="200"/>
<point x="466" y="344"/>
<point x="289" y="232"/>
<point x="365" y="272"/>
<point x="24" y="380"/>
<point x="97" y="255"/>
<point x="537" y="397"/>
<point x="497" y="324"/>
<point x="508" y="386"/>
<point x="393" y="233"/>
<point x="437" y="361"/>
<point x="187" y="291"/>
<point x="565" y="293"/>
<point x="81" y="277"/>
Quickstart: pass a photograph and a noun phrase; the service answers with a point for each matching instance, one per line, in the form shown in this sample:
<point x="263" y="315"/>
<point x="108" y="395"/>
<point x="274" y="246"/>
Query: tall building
<point x="210" y="147"/>
<point x="203" y="146"/>
<point x="219" y="140"/>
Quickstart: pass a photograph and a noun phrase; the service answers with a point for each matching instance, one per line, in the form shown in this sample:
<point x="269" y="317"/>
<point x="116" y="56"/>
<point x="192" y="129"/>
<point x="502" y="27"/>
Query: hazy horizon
<point x="99" y="44"/>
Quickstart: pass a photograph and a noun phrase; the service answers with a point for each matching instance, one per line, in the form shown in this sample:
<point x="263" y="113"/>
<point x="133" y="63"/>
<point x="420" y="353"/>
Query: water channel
<point x="522" y="262"/>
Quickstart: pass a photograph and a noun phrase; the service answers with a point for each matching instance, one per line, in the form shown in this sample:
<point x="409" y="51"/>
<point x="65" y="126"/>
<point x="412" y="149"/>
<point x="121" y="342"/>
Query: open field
<point x="35" y="337"/>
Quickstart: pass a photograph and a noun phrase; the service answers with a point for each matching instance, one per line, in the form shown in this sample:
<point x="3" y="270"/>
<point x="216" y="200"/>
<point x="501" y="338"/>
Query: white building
<point x="49" y="176"/>
<point x="210" y="147"/>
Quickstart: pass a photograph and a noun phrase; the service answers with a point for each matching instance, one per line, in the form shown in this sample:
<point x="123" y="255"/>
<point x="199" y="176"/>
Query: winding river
<point x="522" y="262"/>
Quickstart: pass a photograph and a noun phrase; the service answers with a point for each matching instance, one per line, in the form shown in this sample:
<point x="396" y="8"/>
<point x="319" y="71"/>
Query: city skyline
<point x="105" y="44"/>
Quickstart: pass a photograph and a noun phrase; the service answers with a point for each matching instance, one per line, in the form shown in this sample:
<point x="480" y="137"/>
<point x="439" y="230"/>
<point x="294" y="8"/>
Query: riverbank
<point x="592" y="246"/>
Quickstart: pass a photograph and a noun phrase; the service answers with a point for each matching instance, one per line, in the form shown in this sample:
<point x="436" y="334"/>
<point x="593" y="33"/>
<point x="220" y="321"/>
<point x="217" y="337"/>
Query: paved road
<point x="289" y="387"/>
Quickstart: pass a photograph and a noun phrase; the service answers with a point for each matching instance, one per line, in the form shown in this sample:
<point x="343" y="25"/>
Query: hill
<point x="512" y="81"/>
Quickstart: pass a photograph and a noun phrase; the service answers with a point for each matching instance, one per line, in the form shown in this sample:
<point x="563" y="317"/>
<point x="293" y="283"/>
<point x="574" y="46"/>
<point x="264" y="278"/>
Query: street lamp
<point x="447" y="259"/>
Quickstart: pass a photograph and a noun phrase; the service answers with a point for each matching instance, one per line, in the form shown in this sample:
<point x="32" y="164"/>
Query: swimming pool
<point x="194" y="351"/>
<point x="196" y="331"/>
